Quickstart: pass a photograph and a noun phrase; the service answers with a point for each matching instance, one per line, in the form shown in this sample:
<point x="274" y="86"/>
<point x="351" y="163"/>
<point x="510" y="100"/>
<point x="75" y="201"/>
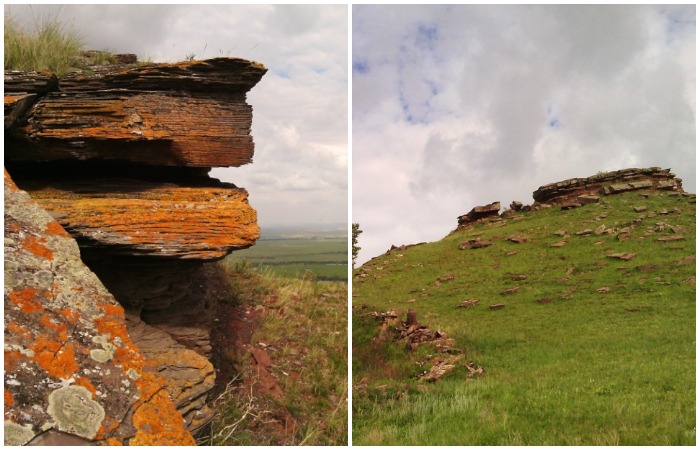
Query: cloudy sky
<point x="300" y="119"/>
<point x="457" y="106"/>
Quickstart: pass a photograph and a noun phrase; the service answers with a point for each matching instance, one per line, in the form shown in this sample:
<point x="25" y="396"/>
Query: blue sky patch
<point x="361" y="66"/>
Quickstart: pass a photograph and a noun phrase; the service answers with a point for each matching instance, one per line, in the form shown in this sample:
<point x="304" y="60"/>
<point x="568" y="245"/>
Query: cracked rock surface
<point x="71" y="370"/>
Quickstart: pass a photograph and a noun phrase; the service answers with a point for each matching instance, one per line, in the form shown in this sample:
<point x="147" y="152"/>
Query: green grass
<point x="49" y="46"/>
<point x="306" y="323"/>
<point x="325" y="257"/>
<point x="582" y="370"/>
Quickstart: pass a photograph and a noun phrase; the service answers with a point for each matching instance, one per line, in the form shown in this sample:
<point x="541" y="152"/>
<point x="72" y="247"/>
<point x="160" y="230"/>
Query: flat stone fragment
<point x="622" y="256"/>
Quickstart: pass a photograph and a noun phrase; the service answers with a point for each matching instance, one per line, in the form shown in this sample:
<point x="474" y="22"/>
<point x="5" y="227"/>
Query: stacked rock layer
<point x="118" y="157"/>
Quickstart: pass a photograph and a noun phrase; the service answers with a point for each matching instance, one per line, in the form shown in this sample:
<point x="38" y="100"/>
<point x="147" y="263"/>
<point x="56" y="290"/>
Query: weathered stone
<point x="623" y="256"/>
<point x="468" y="303"/>
<point x="480" y="213"/>
<point x="132" y="217"/>
<point x="189" y="375"/>
<point x="186" y="114"/>
<point x="69" y="361"/>
<point x="607" y="183"/>
<point x="16" y="106"/>
<point x="518" y="239"/>
<point x="475" y="243"/>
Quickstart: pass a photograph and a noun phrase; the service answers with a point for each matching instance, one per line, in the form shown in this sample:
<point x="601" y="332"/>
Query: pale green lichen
<point x="106" y="352"/>
<point x="74" y="411"/>
<point x="133" y="374"/>
<point x="16" y="434"/>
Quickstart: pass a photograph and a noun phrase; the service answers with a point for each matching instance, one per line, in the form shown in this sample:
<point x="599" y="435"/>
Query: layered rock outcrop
<point x="606" y="183"/>
<point x="119" y="157"/>
<point x="575" y="192"/>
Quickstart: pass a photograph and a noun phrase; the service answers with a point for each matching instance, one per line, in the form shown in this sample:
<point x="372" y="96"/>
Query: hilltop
<point x="570" y="321"/>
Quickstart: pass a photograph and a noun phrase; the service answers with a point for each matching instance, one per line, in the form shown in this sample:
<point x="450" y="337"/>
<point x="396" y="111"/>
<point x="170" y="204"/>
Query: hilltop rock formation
<point x="575" y="192"/>
<point x="607" y="183"/>
<point x="119" y="156"/>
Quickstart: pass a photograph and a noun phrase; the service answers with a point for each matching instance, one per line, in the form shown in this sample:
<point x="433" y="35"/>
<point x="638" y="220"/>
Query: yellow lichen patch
<point x="111" y="309"/>
<point x="35" y="245"/>
<point x="26" y="300"/>
<point x="114" y="441"/>
<point x="57" y="359"/>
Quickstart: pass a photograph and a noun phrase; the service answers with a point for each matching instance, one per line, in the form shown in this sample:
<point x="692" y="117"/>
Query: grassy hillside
<point x="297" y="393"/>
<point x="608" y="357"/>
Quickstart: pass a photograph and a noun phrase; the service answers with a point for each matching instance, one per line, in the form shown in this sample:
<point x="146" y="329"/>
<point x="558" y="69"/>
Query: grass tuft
<point x="48" y="46"/>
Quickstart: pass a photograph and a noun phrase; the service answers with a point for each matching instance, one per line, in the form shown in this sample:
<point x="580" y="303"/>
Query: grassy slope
<point x="580" y="370"/>
<point x="303" y="324"/>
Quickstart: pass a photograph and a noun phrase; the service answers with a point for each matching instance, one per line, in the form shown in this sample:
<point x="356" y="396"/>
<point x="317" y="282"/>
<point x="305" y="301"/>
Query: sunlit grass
<point x="589" y="368"/>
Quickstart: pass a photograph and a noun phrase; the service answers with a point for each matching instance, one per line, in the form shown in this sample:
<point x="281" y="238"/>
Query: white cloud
<point x="472" y="104"/>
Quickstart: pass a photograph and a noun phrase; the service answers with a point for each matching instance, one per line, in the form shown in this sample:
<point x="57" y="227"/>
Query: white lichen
<point x="74" y="411"/>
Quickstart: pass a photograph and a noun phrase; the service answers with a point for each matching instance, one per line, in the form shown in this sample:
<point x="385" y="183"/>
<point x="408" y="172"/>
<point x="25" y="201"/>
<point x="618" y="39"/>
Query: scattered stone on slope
<point x="625" y="256"/>
<point x="480" y="213"/>
<point x="468" y="303"/>
<point x="475" y="243"/>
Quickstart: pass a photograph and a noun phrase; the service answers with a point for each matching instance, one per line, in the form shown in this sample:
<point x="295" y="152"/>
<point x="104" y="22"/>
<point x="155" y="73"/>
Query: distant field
<point x="293" y="252"/>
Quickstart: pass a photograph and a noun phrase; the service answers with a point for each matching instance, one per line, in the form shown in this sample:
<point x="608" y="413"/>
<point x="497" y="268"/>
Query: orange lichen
<point x="9" y="399"/>
<point x="26" y="300"/>
<point x="158" y="422"/>
<point x="35" y="245"/>
<point x="49" y="322"/>
<point x="112" y="309"/>
<point x="12" y="360"/>
<point x="54" y="228"/>
<point x="87" y="384"/>
<point x="57" y="359"/>
<point x="71" y="315"/>
<point x="108" y="425"/>
<point x="19" y="330"/>
<point x="114" y="441"/>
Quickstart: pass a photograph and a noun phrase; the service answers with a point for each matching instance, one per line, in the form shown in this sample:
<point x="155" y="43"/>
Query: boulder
<point x="480" y="213"/>
<point x="72" y="372"/>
